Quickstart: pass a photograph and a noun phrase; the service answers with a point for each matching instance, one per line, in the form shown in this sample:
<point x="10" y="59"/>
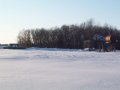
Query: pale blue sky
<point x="16" y="15"/>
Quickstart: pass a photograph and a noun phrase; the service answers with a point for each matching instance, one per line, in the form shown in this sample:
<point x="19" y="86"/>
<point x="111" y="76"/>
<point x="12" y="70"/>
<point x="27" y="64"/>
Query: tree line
<point x="66" y="36"/>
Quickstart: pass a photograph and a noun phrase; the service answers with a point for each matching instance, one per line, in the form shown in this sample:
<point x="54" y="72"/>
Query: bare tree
<point x="24" y="38"/>
<point x="66" y="36"/>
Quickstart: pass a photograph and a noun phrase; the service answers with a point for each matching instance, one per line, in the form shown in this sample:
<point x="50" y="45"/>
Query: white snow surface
<point x="59" y="69"/>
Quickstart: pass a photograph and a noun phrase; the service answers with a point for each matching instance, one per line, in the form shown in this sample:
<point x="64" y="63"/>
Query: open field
<point x="59" y="69"/>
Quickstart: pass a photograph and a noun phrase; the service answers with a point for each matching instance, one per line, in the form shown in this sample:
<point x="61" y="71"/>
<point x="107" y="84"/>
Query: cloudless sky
<point x="16" y="15"/>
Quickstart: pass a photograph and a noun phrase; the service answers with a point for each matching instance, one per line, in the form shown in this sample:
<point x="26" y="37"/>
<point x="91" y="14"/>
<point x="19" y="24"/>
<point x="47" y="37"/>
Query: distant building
<point x="11" y="46"/>
<point x="3" y="45"/>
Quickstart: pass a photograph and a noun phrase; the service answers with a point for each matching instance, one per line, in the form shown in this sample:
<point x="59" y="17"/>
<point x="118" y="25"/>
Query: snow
<point x="59" y="69"/>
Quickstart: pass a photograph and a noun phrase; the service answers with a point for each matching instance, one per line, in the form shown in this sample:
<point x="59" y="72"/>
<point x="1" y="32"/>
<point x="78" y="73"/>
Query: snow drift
<point x="59" y="69"/>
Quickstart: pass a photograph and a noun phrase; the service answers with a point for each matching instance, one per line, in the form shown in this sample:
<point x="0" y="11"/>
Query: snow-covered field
<point x="59" y="69"/>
